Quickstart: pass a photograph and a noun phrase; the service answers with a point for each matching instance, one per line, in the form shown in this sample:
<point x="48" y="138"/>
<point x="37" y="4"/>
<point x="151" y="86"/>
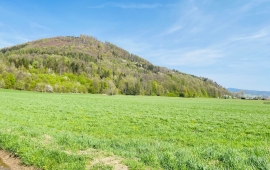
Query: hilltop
<point x="86" y="65"/>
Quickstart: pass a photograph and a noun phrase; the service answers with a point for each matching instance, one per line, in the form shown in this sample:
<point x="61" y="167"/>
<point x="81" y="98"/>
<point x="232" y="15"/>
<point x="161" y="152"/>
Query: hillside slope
<point x="85" y="65"/>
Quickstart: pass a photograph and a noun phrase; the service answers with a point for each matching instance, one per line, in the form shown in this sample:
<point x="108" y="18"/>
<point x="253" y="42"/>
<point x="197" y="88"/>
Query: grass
<point x="56" y="131"/>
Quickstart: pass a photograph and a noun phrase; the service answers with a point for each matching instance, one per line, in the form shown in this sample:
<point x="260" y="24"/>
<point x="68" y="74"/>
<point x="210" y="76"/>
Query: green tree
<point x="10" y="81"/>
<point x="19" y="85"/>
<point x="154" y="87"/>
<point x="2" y="83"/>
<point x="2" y="67"/>
<point x="96" y="85"/>
<point x="35" y="64"/>
<point x="112" y="90"/>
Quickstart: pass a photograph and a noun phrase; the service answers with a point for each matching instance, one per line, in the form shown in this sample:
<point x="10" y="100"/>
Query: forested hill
<point x="85" y="65"/>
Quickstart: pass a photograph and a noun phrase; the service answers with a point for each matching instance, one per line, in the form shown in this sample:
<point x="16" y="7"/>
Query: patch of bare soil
<point x="101" y="157"/>
<point x="110" y="161"/>
<point x="10" y="162"/>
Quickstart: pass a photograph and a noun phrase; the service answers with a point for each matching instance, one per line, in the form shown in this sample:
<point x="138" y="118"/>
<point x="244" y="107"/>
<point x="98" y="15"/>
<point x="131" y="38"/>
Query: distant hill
<point x="251" y="92"/>
<point x="85" y="65"/>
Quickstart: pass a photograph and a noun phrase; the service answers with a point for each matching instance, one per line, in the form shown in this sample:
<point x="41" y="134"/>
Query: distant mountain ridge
<point x="251" y="92"/>
<point x="86" y="65"/>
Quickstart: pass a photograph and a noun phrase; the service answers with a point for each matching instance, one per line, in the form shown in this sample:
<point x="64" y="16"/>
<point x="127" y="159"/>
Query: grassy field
<point x="76" y="131"/>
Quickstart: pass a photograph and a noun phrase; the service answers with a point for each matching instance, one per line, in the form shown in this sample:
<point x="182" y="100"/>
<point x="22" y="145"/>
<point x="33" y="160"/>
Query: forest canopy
<point x="85" y="65"/>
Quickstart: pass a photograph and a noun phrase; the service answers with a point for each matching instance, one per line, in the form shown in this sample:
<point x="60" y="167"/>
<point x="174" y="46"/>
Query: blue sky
<point x="227" y="41"/>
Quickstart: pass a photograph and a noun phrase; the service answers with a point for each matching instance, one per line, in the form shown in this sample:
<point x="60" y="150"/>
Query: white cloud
<point x="130" y="5"/>
<point x="260" y="34"/>
<point x="160" y="55"/>
<point x="39" y="26"/>
<point x="199" y="57"/>
<point x="188" y="20"/>
<point x="132" y="46"/>
<point x="249" y="6"/>
<point x="252" y="37"/>
<point x="172" y="30"/>
<point x="138" y="6"/>
<point x="21" y="39"/>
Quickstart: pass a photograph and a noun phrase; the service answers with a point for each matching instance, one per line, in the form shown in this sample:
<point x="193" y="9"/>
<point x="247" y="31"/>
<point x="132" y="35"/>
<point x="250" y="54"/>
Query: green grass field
<point x="71" y="131"/>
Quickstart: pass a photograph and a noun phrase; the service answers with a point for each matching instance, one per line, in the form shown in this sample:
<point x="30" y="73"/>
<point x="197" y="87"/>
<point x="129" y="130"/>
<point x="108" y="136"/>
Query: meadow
<point x="84" y="131"/>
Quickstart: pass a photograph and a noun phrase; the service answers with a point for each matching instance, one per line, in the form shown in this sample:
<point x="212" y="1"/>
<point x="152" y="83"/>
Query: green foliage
<point x="9" y="81"/>
<point x="2" y="82"/>
<point x="154" y="87"/>
<point x="171" y="95"/>
<point x="2" y="67"/>
<point x="91" y="66"/>
<point x="20" y="85"/>
<point x="35" y="64"/>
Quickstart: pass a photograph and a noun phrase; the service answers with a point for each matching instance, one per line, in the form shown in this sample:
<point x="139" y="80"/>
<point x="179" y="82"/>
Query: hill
<point x="251" y="92"/>
<point x="85" y="65"/>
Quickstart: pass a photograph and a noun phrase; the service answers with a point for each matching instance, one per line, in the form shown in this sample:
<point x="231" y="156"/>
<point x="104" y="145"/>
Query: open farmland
<point x="78" y="131"/>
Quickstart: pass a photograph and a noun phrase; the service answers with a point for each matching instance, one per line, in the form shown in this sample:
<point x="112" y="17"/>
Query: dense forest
<point x="85" y="65"/>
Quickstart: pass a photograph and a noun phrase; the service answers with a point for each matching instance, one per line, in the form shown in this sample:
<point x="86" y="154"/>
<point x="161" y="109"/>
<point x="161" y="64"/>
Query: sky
<point x="226" y="41"/>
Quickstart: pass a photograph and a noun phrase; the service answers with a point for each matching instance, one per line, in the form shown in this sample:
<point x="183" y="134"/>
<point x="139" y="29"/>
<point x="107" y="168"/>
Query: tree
<point x="2" y="83"/>
<point x="236" y="94"/>
<point x="10" y="81"/>
<point x="48" y="88"/>
<point x="183" y="92"/>
<point x="112" y="90"/>
<point x="35" y="64"/>
<point x="154" y="88"/>
<point x="19" y="85"/>
<point x="241" y="93"/>
<point x="2" y="68"/>
<point x="95" y="86"/>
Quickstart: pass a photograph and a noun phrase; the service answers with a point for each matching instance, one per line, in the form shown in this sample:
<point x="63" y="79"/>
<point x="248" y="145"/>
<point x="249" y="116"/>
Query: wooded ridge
<point x="85" y="65"/>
